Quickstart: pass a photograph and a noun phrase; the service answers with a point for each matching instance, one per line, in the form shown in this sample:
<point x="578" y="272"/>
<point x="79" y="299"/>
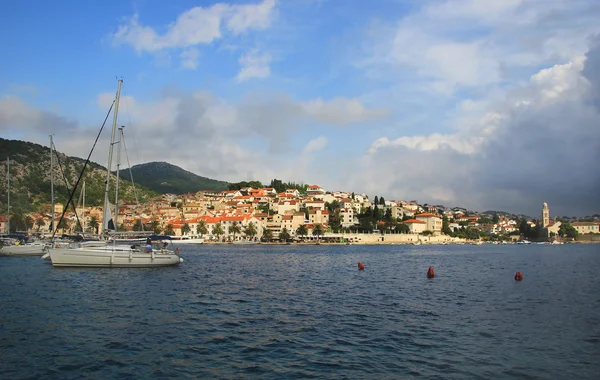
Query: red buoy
<point x="518" y="276"/>
<point x="361" y="266"/>
<point x="430" y="273"/>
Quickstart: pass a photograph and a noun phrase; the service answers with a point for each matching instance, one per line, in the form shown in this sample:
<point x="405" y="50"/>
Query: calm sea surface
<point x="280" y="312"/>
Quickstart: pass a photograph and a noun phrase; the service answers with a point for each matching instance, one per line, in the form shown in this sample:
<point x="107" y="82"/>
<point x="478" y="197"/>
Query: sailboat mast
<point x="117" y="180"/>
<point x="8" y="194"/>
<point x="52" y="186"/>
<point x="106" y="210"/>
<point x="83" y="209"/>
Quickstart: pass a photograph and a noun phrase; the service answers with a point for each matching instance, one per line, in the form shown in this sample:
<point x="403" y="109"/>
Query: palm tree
<point x="284" y="234"/>
<point x="302" y="231"/>
<point x="155" y="227"/>
<point x="94" y="224"/>
<point x="250" y="230"/>
<point x="39" y="223"/>
<point x="234" y="229"/>
<point x="218" y="230"/>
<point x="185" y="229"/>
<point x="201" y="228"/>
<point x="317" y="231"/>
<point x="63" y="225"/>
<point x="169" y="230"/>
<point x="267" y="236"/>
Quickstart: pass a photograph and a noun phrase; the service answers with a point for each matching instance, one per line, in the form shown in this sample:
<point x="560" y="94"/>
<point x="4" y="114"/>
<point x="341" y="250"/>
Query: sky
<point x="483" y="104"/>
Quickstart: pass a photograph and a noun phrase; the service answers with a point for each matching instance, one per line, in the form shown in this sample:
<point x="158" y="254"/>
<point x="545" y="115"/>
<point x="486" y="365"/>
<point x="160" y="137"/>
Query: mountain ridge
<point x="164" y="177"/>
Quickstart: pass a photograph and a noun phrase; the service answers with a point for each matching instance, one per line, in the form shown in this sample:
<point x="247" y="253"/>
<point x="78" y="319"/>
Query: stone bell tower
<point x="545" y="215"/>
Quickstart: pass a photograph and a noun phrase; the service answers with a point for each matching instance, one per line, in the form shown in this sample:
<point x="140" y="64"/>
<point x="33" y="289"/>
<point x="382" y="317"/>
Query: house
<point x="287" y="205"/>
<point x="416" y="226"/>
<point x="315" y="189"/>
<point x="433" y="222"/>
<point x="314" y="204"/>
<point x="318" y="216"/>
<point x="587" y="227"/>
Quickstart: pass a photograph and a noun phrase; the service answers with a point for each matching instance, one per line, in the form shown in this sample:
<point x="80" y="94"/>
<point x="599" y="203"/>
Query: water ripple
<point x="273" y="312"/>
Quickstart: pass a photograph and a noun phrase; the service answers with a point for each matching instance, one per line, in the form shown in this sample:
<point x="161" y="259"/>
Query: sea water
<point x="282" y="312"/>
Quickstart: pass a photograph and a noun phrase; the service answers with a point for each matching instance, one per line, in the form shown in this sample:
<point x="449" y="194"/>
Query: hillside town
<point x="313" y="214"/>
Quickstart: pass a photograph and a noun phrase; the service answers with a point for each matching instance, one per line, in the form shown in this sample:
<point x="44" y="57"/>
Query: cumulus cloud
<point x="16" y="113"/>
<point x="254" y="65"/>
<point x="456" y="44"/>
<point x="196" y="26"/>
<point x="535" y="145"/>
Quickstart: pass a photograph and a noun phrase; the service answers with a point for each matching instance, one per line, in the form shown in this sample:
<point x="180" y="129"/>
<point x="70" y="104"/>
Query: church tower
<point x="545" y="215"/>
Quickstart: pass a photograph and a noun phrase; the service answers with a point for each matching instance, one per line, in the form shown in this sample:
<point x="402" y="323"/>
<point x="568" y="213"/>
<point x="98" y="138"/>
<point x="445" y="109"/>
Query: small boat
<point x="188" y="239"/>
<point x="245" y="242"/>
<point x="26" y="249"/>
<point x="524" y="242"/>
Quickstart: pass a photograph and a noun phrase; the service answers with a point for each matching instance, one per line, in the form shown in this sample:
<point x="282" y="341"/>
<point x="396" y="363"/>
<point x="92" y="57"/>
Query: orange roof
<point x="414" y="221"/>
<point x="427" y="215"/>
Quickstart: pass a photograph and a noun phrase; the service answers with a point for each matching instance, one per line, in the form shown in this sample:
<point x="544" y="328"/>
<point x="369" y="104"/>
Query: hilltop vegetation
<point x="30" y="185"/>
<point x="163" y="178"/>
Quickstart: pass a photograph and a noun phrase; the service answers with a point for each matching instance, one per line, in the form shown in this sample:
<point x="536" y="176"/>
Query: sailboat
<point x="106" y="253"/>
<point x="24" y="246"/>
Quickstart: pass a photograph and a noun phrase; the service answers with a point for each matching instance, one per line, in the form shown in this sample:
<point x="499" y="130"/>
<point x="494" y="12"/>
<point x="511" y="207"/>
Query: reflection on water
<point x="286" y="311"/>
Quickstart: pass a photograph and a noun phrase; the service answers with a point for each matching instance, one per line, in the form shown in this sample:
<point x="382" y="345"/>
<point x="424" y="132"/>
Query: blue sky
<point x="486" y="104"/>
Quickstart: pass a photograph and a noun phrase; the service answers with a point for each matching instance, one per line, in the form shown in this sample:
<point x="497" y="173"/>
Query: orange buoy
<point x="518" y="276"/>
<point x="430" y="273"/>
<point x="361" y="266"/>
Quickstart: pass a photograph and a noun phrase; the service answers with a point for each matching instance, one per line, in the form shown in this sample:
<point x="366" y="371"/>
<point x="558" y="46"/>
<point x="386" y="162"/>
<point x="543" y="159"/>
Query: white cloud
<point x="341" y="111"/>
<point x="457" y="44"/>
<point x="254" y="65"/>
<point x="189" y="58"/>
<point x="315" y="145"/>
<point x="196" y="26"/>
<point x="532" y="146"/>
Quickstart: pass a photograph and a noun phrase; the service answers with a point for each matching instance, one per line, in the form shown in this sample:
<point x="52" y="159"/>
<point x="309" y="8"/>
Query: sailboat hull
<point x="111" y="258"/>
<point x="23" y="250"/>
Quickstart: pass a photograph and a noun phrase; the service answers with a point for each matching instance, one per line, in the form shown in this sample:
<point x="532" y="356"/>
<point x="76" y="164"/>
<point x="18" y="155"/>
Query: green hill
<point x="163" y="177"/>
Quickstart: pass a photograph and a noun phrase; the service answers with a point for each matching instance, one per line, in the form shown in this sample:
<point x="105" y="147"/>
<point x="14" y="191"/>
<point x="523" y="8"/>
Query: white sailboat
<point x="110" y="254"/>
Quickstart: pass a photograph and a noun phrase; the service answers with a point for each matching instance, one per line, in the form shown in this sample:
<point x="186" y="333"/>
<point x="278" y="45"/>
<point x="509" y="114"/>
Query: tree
<point x="185" y="229"/>
<point x="317" y="230"/>
<point x="566" y="229"/>
<point x="495" y="219"/>
<point x="169" y="230"/>
<point x="201" y="228"/>
<point x="446" y="226"/>
<point x="427" y="233"/>
<point x="234" y="229"/>
<point x="218" y="230"/>
<point x="138" y="225"/>
<point x="302" y="231"/>
<point x="403" y="228"/>
<point x="376" y="200"/>
<point x="28" y="222"/>
<point x="93" y="224"/>
<point x="39" y="223"/>
<point x="284" y="235"/>
<point x="388" y="214"/>
<point x="250" y="230"/>
<point x="64" y="225"/>
<point x="382" y="201"/>
<point x="154" y="226"/>
<point x="267" y="236"/>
